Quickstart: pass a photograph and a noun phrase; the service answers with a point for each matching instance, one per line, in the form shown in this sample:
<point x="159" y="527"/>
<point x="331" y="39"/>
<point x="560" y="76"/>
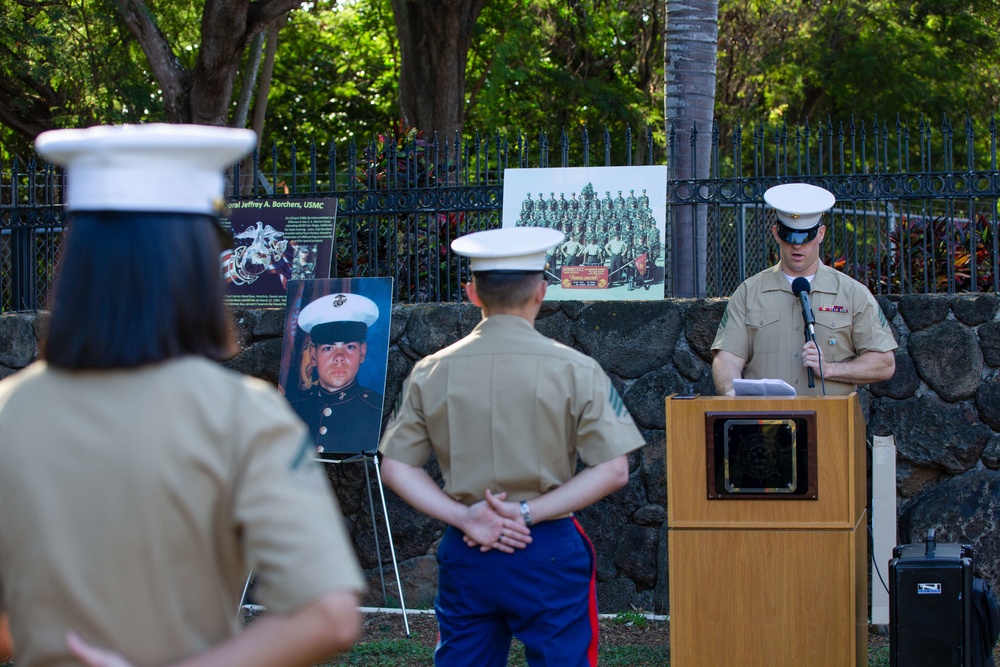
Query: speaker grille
<point x="929" y="619"/>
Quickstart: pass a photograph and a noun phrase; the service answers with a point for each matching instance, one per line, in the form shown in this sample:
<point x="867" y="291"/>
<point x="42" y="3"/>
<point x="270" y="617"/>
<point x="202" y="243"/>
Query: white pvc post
<point x="883" y="522"/>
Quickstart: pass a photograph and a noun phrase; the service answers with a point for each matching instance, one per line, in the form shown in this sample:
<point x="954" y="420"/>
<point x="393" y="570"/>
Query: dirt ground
<point x="423" y="629"/>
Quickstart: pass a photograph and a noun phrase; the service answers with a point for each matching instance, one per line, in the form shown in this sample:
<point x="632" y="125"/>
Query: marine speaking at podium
<point x="802" y="321"/>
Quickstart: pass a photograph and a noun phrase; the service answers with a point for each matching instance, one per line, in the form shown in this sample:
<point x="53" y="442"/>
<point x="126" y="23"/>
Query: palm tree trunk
<point x="689" y="66"/>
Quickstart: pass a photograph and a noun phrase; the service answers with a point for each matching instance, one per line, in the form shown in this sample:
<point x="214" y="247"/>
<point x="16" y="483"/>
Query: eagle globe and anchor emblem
<point x="250" y="262"/>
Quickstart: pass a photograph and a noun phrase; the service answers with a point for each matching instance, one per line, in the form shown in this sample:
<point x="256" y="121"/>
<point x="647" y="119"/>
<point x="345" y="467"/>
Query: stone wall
<point x="942" y="406"/>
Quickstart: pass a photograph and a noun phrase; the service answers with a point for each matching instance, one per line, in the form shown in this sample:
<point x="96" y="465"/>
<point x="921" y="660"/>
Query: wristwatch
<point x="526" y="513"/>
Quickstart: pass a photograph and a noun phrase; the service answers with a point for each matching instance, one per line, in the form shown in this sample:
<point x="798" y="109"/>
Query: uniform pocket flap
<point x="762" y="318"/>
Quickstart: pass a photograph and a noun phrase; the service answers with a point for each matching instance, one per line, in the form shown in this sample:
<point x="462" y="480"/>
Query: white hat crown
<point x="157" y="167"/>
<point x="508" y="249"/>
<point x="340" y="307"/>
<point x="799" y="206"/>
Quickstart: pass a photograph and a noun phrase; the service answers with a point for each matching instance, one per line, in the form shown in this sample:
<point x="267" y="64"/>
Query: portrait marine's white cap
<point x="159" y="167"/>
<point x="799" y="207"/>
<point x="338" y="318"/>
<point x="511" y="249"/>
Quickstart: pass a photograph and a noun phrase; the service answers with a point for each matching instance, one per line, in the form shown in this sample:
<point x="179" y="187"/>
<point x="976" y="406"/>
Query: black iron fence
<point x="916" y="210"/>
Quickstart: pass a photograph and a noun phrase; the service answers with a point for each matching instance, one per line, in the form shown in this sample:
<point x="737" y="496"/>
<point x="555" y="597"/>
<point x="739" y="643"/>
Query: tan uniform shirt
<point x="763" y="325"/>
<point x="571" y="248"/>
<point x="508" y="409"/>
<point x="615" y="247"/>
<point x="133" y="503"/>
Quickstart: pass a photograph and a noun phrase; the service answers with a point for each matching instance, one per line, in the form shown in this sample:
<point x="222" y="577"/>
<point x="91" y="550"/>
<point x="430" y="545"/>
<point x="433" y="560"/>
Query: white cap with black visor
<point x="799" y="207"/>
<point x="338" y="318"/>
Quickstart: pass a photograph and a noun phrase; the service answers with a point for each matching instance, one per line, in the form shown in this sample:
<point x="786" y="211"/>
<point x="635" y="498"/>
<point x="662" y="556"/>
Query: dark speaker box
<point x="930" y="613"/>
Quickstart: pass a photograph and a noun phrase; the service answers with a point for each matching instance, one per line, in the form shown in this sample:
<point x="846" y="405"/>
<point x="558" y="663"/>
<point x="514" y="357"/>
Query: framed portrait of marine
<point x="335" y="348"/>
<point x="614" y="221"/>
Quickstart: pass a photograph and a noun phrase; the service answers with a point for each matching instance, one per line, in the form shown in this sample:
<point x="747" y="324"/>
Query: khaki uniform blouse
<point x="508" y="409"/>
<point x="133" y="503"/>
<point x="763" y="325"/>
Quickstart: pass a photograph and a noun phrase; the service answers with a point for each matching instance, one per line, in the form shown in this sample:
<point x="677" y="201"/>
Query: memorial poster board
<point x="275" y="241"/>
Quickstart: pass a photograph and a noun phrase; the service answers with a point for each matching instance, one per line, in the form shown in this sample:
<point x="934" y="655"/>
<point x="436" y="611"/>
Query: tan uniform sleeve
<point x="406" y="439"/>
<point x="606" y="429"/>
<point x="733" y="335"/>
<point x="293" y="532"/>
<point x="871" y="332"/>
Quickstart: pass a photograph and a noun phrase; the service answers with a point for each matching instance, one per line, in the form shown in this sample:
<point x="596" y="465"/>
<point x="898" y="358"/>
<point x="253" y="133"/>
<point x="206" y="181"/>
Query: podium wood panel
<point x="768" y="582"/>
<point x="840" y="467"/>
<point x="768" y="598"/>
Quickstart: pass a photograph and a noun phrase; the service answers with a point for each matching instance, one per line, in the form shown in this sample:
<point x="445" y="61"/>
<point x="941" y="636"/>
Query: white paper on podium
<point x="762" y="387"/>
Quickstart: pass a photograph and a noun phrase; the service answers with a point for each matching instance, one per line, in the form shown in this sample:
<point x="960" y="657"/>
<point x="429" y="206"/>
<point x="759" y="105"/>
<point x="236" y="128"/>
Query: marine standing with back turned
<point x="140" y="481"/>
<point x="506" y="412"/>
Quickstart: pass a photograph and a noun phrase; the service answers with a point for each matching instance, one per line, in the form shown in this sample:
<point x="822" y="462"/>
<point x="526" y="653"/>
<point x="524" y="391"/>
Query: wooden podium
<point x="767" y="573"/>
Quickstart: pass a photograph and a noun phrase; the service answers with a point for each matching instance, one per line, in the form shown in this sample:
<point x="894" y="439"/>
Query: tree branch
<point x="218" y="60"/>
<point x="171" y="76"/>
<point x="263" y="12"/>
<point x="26" y="114"/>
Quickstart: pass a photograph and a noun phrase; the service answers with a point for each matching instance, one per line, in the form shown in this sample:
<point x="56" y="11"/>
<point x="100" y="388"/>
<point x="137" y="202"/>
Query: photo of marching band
<point x="613" y="242"/>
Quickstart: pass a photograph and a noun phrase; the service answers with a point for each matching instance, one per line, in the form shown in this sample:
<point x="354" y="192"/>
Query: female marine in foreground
<point x="139" y="480"/>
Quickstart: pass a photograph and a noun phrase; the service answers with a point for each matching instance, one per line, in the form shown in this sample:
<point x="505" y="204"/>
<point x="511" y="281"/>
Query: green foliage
<point x="402" y="159"/>
<point x="386" y="653"/>
<point x="180" y="23"/>
<point x="935" y="252"/>
<point x="879" y="657"/>
<point x="393" y="652"/>
<point x="337" y="68"/>
<point x="633" y="656"/>
<point x="72" y="64"/>
<point x="632" y="618"/>
<point x="336" y="71"/>
<point x="860" y="58"/>
<point x="545" y="65"/>
<point x="535" y="66"/>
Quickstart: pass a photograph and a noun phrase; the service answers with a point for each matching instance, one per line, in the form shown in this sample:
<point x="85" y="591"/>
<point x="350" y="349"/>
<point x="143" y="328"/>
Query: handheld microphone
<point x="800" y="288"/>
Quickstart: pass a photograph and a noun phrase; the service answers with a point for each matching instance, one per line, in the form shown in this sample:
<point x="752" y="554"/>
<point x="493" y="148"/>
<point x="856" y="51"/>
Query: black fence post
<point x="23" y="290"/>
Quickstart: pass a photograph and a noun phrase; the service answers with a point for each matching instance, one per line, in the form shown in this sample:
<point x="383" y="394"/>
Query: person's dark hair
<point x="137" y="288"/>
<point x="502" y="291"/>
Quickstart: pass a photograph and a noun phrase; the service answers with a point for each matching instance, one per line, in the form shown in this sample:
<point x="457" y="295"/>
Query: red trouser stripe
<point x="592" y="611"/>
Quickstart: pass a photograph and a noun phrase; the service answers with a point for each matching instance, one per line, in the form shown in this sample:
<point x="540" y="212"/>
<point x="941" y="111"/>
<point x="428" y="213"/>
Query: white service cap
<point x="799" y="207"/>
<point x="157" y="167"/>
<point x="338" y="318"/>
<point x="520" y="249"/>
